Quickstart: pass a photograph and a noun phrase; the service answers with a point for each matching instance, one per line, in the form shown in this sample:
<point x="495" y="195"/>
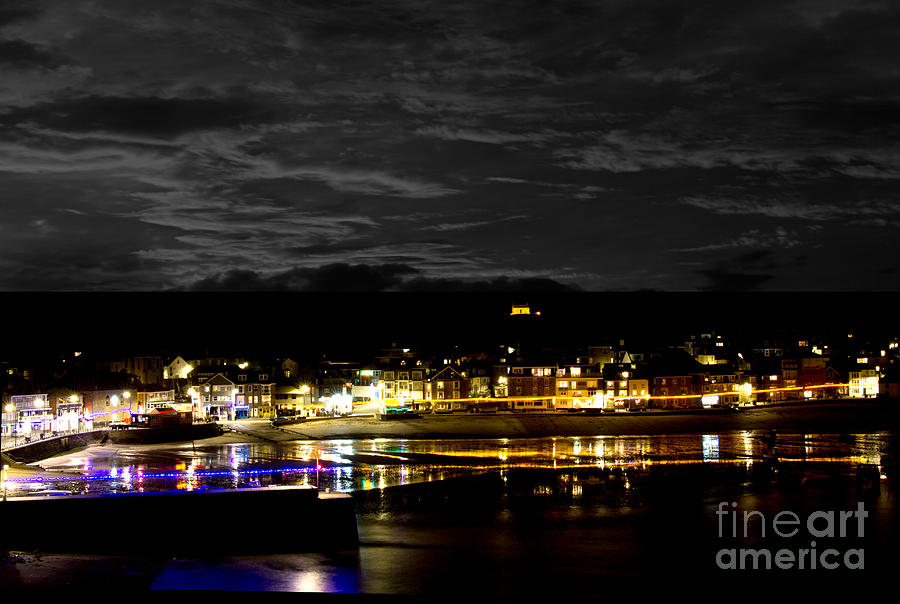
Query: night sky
<point x="436" y="146"/>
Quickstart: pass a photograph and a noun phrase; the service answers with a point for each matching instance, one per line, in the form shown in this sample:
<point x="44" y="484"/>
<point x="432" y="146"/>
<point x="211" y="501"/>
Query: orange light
<point x="659" y="396"/>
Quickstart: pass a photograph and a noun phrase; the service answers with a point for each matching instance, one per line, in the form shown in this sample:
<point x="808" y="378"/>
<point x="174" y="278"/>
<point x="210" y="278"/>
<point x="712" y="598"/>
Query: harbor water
<point x="508" y="517"/>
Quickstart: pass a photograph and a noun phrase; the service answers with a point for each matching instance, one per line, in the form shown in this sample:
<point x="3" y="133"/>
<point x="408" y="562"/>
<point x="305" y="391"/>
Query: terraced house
<point x="444" y="386"/>
<point x="254" y="396"/>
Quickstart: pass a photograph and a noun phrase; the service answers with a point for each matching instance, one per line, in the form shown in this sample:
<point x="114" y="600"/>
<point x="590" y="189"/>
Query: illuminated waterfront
<point x="362" y="464"/>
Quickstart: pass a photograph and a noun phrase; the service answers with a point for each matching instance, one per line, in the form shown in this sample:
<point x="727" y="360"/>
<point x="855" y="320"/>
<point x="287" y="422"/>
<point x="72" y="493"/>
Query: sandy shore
<point x="836" y="416"/>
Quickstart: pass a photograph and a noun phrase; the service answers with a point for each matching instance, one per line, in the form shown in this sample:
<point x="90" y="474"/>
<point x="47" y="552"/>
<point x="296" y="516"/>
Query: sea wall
<point x="48" y="447"/>
<point x="138" y="436"/>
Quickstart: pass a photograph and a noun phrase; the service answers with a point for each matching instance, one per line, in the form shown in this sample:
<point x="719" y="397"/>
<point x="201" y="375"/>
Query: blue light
<point x="106" y="475"/>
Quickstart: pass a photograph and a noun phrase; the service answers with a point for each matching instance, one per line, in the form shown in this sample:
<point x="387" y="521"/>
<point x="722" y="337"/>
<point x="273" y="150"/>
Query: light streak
<point x="625" y="398"/>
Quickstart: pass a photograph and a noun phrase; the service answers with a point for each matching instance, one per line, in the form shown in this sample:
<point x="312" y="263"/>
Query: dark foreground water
<point x="564" y="517"/>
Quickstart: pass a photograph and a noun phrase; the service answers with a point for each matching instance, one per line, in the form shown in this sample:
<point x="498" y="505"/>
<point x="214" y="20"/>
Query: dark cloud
<point x="24" y="55"/>
<point x="12" y="11"/>
<point x="499" y="284"/>
<point x="331" y="277"/>
<point x="743" y="272"/>
<point x="601" y="145"/>
<point x="725" y="281"/>
<point x="163" y="117"/>
<point x="364" y="278"/>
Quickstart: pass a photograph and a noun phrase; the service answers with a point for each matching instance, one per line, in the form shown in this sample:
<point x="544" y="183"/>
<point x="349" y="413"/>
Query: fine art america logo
<point x="824" y="525"/>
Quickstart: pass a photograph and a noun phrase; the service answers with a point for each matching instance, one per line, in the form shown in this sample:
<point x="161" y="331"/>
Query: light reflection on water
<point x="360" y="464"/>
<point x="611" y="503"/>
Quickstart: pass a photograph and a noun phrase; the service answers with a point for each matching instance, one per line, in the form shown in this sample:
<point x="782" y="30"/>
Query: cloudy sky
<point x="421" y="145"/>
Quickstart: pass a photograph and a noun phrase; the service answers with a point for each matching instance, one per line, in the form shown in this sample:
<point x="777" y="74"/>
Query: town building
<point x="443" y="387"/>
<point x="673" y="391"/>
<point x="403" y="380"/>
<point x="177" y="369"/>
<point x="254" y="396"/>
<point x="27" y="415"/>
<point x="718" y="386"/>
<point x="530" y="385"/>
<point x="863" y="383"/>
<point x="146" y="369"/>
<point x="214" y="398"/>
<point x="147" y="400"/>
<point x="292" y="399"/>
<point x="579" y="384"/>
<point x="107" y="406"/>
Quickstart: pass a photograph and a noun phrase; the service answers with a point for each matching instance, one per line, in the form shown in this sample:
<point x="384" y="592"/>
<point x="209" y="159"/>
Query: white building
<point x="404" y="384"/>
<point x="69" y="414"/>
<point x="177" y="369"/>
<point x="215" y="397"/>
<point x="863" y="383"/>
<point x="27" y="414"/>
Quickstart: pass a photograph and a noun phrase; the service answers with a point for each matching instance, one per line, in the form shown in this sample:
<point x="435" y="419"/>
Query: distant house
<point x="403" y="381"/>
<point x="615" y="380"/>
<point x="673" y="391"/>
<point x="255" y="394"/>
<point x="863" y="383"/>
<point x="577" y="384"/>
<point x="289" y="368"/>
<point x="147" y="369"/>
<point x="720" y="386"/>
<point x="215" y="397"/>
<point x="102" y="407"/>
<point x="178" y="368"/>
<point x="530" y="386"/>
<point x="671" y="380"/>
<point x="520" y="309"/>
<point x="816" y="372"/>
<point x="444" y="386"/>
